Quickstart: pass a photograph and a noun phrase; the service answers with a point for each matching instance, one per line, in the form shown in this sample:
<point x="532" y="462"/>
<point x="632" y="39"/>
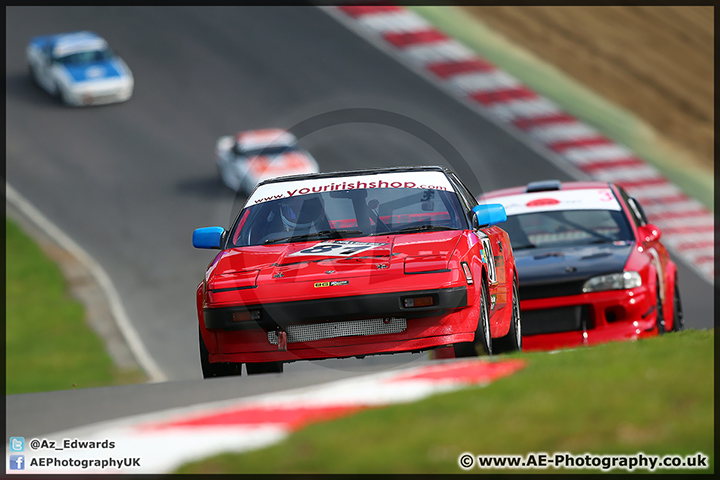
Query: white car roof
<point x="576" y="199"/>
<point x="264" y="138"/>
<point x="78" y="42"/>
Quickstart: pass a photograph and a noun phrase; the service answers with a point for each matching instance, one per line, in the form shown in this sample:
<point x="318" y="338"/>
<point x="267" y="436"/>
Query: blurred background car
<point x="590" y="266"/>
<point x="256" y="155"/>
<point x="79" y="68"/>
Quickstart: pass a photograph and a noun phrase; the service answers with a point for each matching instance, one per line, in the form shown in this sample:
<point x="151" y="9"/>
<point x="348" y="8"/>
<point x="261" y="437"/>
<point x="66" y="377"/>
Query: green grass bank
<point x="48" y="344"/>
<point x="654" y="396"/>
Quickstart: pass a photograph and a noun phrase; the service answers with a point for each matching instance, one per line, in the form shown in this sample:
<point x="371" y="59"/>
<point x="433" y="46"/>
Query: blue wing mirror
<point x="490" y="214"/>
<point x="208" y="237"/>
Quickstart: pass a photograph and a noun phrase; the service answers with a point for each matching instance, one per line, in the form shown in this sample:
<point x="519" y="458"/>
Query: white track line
<point x="118" y="311"/>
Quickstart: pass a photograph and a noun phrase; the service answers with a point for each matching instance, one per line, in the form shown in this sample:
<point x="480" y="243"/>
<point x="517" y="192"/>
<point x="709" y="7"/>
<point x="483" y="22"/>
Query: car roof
<point x="67" y="43"/>
<point x="265" y="136"/>
<point x="552" y="195"/>
<point x="563" y="186"/>
<point x="365" y="171"/>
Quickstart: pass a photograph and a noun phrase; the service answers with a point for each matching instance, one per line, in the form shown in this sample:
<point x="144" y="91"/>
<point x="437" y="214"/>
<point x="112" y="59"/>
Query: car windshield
<point x="562" y="228"/>
<point x="88" y="56"/>
<point x="270" y="150"/>
<point x="347" y="214"/>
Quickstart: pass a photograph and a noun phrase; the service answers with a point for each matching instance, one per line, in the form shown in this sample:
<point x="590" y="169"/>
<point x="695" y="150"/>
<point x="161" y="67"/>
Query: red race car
<point x="591" y="267"/>
<point x="348" y="264"/>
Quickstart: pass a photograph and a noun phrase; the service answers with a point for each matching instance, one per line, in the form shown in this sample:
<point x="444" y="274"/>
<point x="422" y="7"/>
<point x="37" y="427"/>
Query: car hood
<point x="97" y="71"/>
<point x="348" y="257"/>
<point x="553" y="265"/>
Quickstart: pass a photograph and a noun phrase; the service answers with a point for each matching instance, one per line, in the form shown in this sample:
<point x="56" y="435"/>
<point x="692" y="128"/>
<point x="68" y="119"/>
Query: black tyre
<point x="678" y="321"/>
<point x="512" y="342"/>
<point x="660" y="319"/>
<point x="264" y="367"/>
<point x="224" y="369"/>
<point x="482" y="343"/>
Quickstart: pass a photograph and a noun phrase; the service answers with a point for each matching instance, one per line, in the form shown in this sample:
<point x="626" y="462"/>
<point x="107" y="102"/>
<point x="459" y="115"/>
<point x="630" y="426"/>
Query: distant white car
<point x="79" y="68"/>
<point x="244" y="160"/>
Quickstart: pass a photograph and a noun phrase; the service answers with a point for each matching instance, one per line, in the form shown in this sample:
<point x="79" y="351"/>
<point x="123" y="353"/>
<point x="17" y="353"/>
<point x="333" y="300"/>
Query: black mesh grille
<point x="553" y="320"/>
<point x="531" y="292"/>
<point x="351" y="328"/>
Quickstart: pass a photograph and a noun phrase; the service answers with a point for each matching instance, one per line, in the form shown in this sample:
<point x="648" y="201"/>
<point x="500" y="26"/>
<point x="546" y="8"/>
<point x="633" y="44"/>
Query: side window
<point x="636" y="212"/>
<point x="465" y="197"/>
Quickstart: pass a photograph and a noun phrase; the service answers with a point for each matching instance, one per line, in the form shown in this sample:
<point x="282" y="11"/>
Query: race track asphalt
<point x="130" y="182"/>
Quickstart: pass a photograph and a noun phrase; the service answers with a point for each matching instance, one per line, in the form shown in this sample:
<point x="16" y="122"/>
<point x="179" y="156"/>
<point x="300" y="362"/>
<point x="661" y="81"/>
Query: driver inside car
<point x="302" y="215"/>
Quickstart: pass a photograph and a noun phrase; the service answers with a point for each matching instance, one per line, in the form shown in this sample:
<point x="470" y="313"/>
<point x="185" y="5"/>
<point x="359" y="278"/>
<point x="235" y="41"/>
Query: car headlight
<point x="613" y="281"/>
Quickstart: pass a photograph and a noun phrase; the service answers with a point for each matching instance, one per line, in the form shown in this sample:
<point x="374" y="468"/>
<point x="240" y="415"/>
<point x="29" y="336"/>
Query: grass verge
<point x="653" y="396"/>
<point x="616" y="123"/>
<point x="48" y="345"/>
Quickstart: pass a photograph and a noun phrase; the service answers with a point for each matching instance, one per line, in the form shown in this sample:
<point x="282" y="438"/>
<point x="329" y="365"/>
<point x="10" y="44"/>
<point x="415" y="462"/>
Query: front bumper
<point x="358" y="325"/>
<point x="99" y="94"/>
<point x="587" y="319"/>
<point x="272" y="316"/>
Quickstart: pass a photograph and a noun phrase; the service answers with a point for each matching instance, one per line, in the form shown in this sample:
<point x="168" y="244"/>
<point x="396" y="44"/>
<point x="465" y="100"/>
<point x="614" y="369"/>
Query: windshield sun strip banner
<point x="595" y="199"/>
<point x="419" y="180"/>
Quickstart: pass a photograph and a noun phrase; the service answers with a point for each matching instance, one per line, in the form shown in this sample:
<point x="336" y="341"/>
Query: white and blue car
<point x="79" y="68"/>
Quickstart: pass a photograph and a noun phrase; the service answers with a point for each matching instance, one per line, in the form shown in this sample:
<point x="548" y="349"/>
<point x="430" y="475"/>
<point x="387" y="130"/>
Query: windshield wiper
<point x="322" y="234"/>
<point x="423" y="228"/>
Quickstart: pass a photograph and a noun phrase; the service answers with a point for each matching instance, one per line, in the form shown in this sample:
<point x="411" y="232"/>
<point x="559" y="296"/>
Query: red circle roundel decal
<point x="541" y="202"/>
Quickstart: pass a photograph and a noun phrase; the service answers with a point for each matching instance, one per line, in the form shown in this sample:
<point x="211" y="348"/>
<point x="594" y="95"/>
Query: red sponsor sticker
<point x="541" y="202"/>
